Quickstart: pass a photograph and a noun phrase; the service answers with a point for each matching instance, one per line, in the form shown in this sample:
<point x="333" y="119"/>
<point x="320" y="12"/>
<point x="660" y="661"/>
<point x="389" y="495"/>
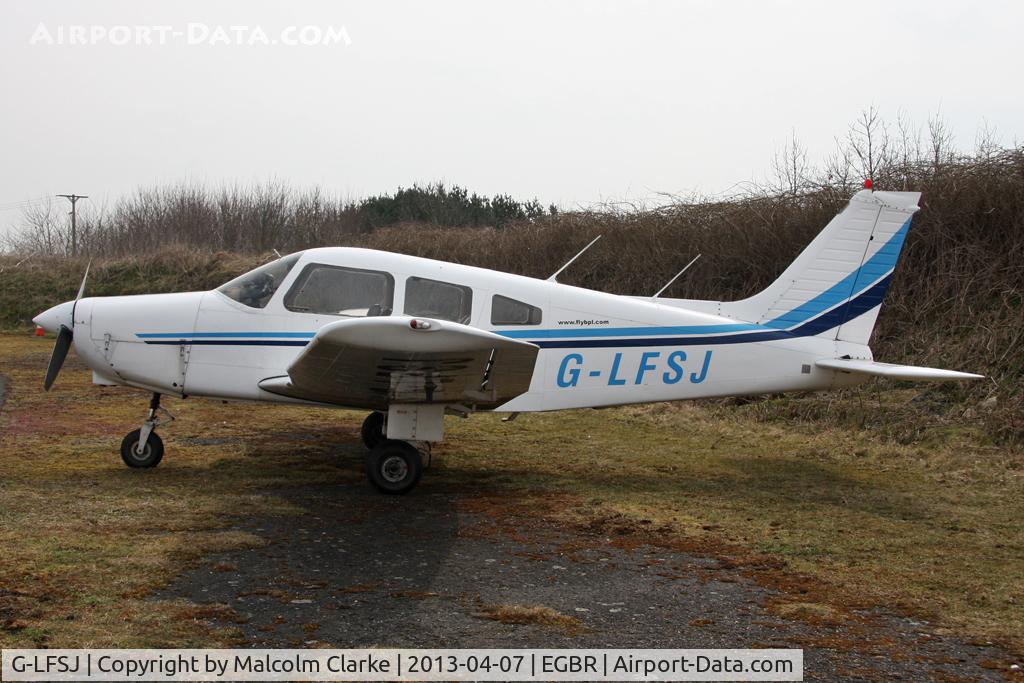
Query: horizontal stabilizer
<point x="909" y="372"/>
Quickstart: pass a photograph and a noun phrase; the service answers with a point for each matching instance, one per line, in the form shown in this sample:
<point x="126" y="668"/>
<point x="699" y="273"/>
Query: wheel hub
<point x="394" y="469"/>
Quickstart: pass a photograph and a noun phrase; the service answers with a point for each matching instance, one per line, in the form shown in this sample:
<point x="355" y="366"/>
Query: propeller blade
<point x="81" y="288"/>
<point x="60" y="352"/>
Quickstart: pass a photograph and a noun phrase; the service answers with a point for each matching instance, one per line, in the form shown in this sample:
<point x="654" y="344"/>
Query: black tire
<point x="394" y="467"/>
<point x="152" y="454"/>
<point x="373" y="430"/>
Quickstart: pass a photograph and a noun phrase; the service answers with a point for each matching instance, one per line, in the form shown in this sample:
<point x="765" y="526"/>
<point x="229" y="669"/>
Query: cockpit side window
<point x="255" y="288"/>
<point x="336" y="290"/>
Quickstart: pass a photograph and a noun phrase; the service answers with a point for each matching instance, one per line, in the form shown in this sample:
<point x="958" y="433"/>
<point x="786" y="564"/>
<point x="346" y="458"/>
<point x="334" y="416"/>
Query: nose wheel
<point x="143" y="447"/>
<point x="135" y="453"/>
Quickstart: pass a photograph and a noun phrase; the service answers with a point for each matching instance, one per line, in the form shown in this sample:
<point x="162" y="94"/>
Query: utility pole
<point x="74" y="225"/>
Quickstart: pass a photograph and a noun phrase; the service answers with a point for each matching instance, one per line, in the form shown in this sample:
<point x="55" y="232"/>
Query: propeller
<point x="60" y="352"/>
<point x="81" y="287"/>
<point x="64" y="337"/>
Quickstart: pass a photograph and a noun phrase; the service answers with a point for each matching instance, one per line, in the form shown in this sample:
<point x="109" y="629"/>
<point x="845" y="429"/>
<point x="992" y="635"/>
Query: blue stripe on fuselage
<point x="843" y="298"/>
<point x="837" y="316"/>
<point x="834" y="318"/>
<point x="214" y="335"/>
<point x="630" y="331"/>
<point x="228" y="342"/>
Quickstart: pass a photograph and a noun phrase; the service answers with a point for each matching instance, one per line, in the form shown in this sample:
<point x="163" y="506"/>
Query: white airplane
<point x="413" y="339"/>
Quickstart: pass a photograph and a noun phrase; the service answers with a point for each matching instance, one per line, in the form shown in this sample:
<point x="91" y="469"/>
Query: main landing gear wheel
<point x="373" y="430"/>
<point x="148" y="456"/>
<point x="394" y="467"/>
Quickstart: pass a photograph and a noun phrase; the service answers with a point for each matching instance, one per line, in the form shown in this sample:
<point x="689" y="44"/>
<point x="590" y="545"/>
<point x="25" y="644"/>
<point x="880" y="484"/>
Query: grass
<point x="86" y="540"/>
<point x="932" y="526"/>
<point x="539" y="615"/>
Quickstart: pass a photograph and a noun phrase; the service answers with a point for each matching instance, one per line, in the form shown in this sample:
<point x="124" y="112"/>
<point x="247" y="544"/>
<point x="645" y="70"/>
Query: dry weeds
<point x="539" y="615"/>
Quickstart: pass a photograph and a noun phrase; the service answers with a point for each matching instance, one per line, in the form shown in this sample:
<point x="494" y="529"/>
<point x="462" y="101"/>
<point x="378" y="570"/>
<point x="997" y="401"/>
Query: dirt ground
<point x="435" y="569"/>
<point x="258" y="529"/>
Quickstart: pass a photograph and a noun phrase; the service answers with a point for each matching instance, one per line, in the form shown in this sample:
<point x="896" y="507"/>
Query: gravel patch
<point x="363" y="570"/>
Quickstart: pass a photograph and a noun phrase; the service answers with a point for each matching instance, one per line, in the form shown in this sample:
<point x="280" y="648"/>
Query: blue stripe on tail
<point x="881" y="263"/>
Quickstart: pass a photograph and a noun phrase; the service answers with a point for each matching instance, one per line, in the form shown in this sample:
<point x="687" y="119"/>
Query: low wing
<point x="910" y="372"/>
<point x="373" y="362"/>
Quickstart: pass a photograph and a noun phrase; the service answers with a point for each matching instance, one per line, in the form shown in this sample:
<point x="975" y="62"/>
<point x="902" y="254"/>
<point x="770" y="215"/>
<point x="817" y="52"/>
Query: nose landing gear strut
<point x="143" y="447"/>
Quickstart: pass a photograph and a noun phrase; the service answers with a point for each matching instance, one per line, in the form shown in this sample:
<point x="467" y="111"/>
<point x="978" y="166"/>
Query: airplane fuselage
<point x="596" y="349"/>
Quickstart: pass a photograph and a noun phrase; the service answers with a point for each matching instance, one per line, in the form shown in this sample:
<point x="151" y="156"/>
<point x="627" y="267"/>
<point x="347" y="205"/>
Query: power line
<point x="26" y="199"/>
<point x="23" y="202"/>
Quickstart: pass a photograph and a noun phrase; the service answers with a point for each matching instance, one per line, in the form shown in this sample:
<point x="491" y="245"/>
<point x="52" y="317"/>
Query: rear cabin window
<point x="335" y="290"/>
<point x="440" y="300"/>
<point x="506" y="311"/>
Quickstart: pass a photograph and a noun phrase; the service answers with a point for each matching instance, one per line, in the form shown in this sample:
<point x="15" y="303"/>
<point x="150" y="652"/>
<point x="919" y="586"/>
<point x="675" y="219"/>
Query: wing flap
<point x="907" y="372"/>
<point x="374" y="362"/>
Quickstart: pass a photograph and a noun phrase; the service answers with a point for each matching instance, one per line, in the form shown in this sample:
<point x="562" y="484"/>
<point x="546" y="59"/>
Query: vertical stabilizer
<point x="835" y="287"/>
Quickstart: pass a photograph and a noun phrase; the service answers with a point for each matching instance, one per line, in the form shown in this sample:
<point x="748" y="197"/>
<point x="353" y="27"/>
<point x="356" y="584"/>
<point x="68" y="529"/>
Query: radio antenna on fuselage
<point x="554" y="276"/>
<point x="669" y="283"/>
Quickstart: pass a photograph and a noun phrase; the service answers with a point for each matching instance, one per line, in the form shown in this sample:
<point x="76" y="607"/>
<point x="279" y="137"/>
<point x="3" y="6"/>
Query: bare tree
<point x="868" y="139"/>
<point x="907" y="154"/>
<point x="790" y="167"/>
<point x="42" y="230"/>
<point x="839" y="169"/>
<point x="940" y="141"/>
<point x="986" y="141"/>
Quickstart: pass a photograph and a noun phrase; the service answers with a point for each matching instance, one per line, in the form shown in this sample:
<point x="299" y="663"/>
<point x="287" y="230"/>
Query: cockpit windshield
<point x="256" y="287"/>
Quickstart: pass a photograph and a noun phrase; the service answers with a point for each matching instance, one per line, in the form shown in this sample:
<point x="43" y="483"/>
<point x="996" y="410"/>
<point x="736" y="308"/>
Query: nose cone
<point x="61" y="314"/>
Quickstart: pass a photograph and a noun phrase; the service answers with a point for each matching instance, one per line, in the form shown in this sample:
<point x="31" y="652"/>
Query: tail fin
<point x="835" y="287"/>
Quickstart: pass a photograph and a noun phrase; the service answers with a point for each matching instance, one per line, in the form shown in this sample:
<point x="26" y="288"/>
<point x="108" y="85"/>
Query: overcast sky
<point x="568" y="102"/>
